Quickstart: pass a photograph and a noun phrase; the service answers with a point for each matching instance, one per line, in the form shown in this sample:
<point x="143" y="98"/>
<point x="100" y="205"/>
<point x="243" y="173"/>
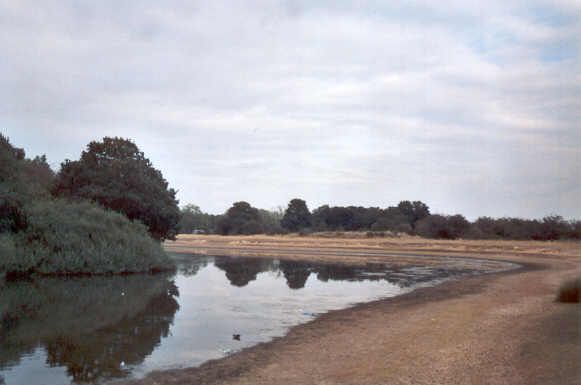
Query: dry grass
<point x="359" y="241"/>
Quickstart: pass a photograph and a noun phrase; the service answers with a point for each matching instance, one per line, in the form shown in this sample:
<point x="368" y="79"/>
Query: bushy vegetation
<point x="241" y="218"/>
<point x="81" y="238"/>
<point x="297" y="216"/>
<point x="407" y="217"/>
<point x="444" y="227"/>
<point x="570" y="291"/>
<point x="192" y="219"/>
<point x="47" y="235"/>
<point x="400" y="218"/>
<point x="271" y="221"/>
<point x="118" y="176"/>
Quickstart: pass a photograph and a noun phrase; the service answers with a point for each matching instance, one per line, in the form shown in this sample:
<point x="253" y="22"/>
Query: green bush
<point x="63" y="237"/>
<point x="570" y="291"/>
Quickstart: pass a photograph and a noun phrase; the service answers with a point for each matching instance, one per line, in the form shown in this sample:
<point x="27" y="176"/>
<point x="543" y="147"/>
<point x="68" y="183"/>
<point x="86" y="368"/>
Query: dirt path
<point x="495" y="329"/>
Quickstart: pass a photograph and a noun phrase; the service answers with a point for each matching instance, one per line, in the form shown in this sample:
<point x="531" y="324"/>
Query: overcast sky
<point x="472" y="107"/>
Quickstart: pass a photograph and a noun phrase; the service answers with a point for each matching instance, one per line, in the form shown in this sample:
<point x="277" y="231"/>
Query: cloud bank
<point x="472" y="107"/>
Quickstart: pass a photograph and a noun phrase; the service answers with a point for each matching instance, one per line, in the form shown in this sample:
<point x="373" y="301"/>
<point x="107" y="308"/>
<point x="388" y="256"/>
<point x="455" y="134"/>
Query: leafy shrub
<point x="79" y="238"/>
<point x="12" y="217"/>
<point x="297" y="216"/>
<point x="241" y="218"/>
<point x="445" y="227"/>
<point x="570" y="291"/>
<point x="118" y="176"/>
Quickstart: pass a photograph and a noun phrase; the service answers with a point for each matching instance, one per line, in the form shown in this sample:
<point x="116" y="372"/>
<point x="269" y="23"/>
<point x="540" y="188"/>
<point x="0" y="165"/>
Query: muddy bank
<point x="491" y="329"/>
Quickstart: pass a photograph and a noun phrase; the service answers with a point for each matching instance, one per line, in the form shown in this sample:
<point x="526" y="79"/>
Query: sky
<point x="471" y="107"/>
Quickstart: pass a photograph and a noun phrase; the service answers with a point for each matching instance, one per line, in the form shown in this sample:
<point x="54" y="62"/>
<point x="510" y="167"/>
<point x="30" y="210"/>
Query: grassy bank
<point x="79" y="238"/>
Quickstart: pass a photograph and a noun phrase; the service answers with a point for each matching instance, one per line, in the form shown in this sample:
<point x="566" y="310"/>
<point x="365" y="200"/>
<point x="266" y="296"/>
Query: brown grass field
<point x="502" y="328"/>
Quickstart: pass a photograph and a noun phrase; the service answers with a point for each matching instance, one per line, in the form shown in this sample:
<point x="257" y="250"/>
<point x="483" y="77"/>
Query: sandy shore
<point x="502" y="328"/>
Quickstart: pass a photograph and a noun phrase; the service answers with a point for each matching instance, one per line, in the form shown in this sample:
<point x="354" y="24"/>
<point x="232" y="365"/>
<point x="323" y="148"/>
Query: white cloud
<point x="364" y="103"/>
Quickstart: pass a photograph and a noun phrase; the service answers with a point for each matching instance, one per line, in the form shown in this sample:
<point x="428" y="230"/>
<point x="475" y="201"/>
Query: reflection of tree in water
<point x="240" y="271"/>
<point x="189" y="265"/>
<point x="337" y="273"/>
<point x="92" y="326"/>
<point x="296" y="273"/>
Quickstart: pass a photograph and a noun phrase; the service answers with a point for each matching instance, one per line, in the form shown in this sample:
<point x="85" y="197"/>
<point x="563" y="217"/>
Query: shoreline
<point x="362" y="337"/>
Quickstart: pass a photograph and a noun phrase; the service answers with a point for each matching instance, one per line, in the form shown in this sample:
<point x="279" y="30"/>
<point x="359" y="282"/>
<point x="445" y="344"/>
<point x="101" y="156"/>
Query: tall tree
<point x="117" y="175"/>
<point x="241" y="218"/>
<point x="414" y="211"/>
<point x="297" y="216"/>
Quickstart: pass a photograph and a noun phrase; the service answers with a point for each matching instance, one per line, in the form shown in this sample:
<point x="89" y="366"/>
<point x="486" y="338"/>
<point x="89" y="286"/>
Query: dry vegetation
<point x="294" y="245"/>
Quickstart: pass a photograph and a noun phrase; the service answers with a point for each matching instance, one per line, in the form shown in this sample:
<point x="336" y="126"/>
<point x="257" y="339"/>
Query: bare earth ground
<point x="502" y="328"/>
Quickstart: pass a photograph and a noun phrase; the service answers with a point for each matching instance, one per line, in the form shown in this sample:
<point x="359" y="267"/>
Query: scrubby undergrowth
<point x="63" y="237"/>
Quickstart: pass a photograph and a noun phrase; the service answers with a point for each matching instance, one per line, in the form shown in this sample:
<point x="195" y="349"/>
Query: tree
<point x="297" y="216"/>
<point x="340" y="218"/>
<point x="414" y="211"/>
<point x="319" y="218"/>
<point x="392" y="219"/>
<point x="440" y="226"/>
<point x="22" y="181"/>
<point x="271" y="220"/>
<point x="117" y="175"/>
<point x="241" y="218"/>
<point x="193" y="218"/>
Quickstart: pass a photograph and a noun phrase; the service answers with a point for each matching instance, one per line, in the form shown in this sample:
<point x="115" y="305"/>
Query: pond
<point x="81" y="330"/>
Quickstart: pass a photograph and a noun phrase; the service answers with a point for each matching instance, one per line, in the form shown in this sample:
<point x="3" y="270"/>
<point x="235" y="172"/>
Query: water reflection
<point x="94" y="327"/>
<point x="56" y="331"/>
<point x="295" y="273"/>
<point x="242" y="270"/>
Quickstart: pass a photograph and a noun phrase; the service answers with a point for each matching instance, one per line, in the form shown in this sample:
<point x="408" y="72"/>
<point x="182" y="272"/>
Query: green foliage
<point x="117" y="175"/>
<point x="445" y="227"/>
<point x="401" y="218"/>
<point x="22" y="179"/>
<point x="241" y="218"/>
<point x="413" y="211"/>
<point x="39" y="234"/>
<point x="193" y="219"/>
<point x="392" y="219"/>
<point x="570" y="291"/>
<point x="553" y="227"/>
<point x="12" y="217"/>
<point x="80" y="238"/>
<point x="271" y="220"/>
<point x="297" y="216"/>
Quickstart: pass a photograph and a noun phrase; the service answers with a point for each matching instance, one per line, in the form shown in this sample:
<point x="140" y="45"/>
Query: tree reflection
<point x="95" y="327"/>
<point x="189" y="265"/>
<point x="296" y="273"/>
<point x="240" y="271"/>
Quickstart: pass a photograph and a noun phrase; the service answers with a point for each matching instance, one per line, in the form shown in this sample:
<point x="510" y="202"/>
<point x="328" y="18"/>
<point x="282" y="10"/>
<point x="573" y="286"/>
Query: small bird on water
<point x="236" y="337"/>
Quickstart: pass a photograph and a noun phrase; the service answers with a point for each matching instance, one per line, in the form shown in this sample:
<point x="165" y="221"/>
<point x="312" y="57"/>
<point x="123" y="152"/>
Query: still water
<point x="57" y="331"/>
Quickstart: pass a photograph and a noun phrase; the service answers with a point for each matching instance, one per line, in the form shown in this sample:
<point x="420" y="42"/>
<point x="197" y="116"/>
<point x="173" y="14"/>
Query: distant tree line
<point x="410" y="217"/>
